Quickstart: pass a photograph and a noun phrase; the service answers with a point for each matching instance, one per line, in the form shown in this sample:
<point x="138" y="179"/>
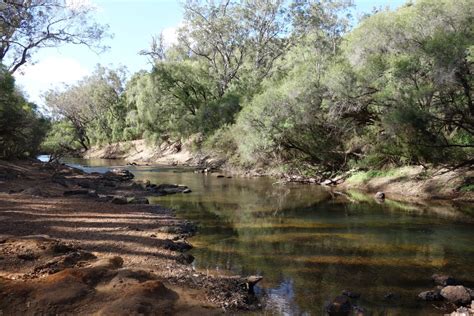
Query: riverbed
<point x="310" y="244"/>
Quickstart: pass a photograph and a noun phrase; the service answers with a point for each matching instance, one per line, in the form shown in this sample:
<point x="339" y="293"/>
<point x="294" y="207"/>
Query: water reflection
<point x="310" y="244"/>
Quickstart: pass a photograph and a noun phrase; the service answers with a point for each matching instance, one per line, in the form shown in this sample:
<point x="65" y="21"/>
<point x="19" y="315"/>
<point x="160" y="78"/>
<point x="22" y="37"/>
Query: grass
<point x="364" y="176"/>
<point x="467" y="188"/>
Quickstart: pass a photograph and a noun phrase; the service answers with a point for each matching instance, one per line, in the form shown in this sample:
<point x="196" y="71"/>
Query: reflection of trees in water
<point x="309" y="247"/>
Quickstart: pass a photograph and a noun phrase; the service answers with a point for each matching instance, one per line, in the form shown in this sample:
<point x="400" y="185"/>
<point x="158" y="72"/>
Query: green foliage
<point x="22" y="128"/>
<point x="288" y="86"/>
<point x="467" y="188"/>
<point x="61" y="139"/>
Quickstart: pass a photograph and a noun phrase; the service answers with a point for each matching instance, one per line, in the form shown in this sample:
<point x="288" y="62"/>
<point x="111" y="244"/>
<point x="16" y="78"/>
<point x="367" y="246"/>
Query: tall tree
<point x="29" y="25"/>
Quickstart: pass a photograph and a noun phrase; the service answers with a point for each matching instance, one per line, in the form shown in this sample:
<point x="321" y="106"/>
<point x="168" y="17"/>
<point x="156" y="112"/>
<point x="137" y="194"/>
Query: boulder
<point x="444" y="280"/>
<point x="456" y="294"/>
<point x="380" y="196"/>
<point x="430" y="296"/>
<point x="139" y="200"/>
<point x="340" y="306"/>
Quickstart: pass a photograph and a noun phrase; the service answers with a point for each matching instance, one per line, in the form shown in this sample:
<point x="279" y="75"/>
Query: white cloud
<point x="49" y="73"/>
<point x="170" y="35"/>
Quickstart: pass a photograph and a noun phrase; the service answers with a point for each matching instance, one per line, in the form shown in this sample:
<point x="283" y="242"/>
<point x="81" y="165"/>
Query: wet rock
<point x="350" y="294"/>
<point x="430" y="296"/>
<point x="119" y="175"/>
<point x="252" y="281"/>
<point x="456" y="294"/>
<point x="220" y="176"/>
<point x="464" y="311"/>
<point x="380" y="196"/>
<point x="185" y="258"/>
<point x="119" y="200"/>
<point x="139" y="200"/>
<point x="444" y="280"/>
<point x="176" y="246"/>
<point x="340" y="306"/>
<point x="165" y="188"/>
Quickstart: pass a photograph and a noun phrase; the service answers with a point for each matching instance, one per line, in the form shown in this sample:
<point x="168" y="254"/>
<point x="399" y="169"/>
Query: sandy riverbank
<point x="65" y="248"/>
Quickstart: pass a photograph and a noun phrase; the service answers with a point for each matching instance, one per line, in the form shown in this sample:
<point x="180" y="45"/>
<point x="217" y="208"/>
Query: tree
<point x="22" y="128"/>
<point x="29" y="25"/>
<point x="95" y="106"/>
<point x="413" y="71"/>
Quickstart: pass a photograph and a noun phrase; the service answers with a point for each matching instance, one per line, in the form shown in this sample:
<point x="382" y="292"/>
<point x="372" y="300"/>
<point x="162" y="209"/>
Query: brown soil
<point x="85" y="255"/>
<point x="415" y="183"/>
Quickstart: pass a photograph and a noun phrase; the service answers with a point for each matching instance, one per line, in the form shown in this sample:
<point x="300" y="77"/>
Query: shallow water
<point x="310" y="245"/>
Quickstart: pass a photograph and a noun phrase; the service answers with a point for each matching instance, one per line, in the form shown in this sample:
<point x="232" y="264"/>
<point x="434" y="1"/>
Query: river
<point x="310" y="245"/>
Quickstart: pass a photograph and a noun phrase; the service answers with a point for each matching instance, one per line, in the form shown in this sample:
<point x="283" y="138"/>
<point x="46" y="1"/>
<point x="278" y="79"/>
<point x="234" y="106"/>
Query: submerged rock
<point x="444" y="280"/>
<point x="166" y="188"/>
<point x="340" y="306"/>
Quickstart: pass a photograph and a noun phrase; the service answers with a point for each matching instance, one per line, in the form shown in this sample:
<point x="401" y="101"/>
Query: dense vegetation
<point x="22" y="128"/>
<point x="292" y="85"/>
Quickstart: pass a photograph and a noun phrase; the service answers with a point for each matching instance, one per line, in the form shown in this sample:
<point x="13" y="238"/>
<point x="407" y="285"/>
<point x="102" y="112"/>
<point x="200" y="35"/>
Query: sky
<point x="132" y="23"/>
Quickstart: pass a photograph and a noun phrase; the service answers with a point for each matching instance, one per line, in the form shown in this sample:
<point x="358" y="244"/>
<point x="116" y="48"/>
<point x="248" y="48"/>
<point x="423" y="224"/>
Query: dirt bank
<point x="404" y="183"/>
<point x="141" y="152"/>
<point x="65" y="248"/>
<point x="415" y="183"/>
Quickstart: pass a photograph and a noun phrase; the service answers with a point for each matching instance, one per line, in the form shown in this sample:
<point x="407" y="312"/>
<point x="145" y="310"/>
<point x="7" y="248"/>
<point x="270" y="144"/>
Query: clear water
<point x="310" y="244"/>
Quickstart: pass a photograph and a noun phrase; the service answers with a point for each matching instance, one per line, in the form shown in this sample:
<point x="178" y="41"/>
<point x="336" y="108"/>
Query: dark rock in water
<point x="75" y="192"/>
<point x="340" y="306"/>
<point x="380" y="196"/>
<point x="119" y="175"/>
<point x="252" y="281"/>
<point x="165" y="188"/>
<point x="456" y="294"/>
<point x="444" y="280"/>
<point x="92" y="194"/>
<point x="350" y="294"/>
<point x="177" y="246"/>
<point x="391" y="296"/>
<point x="119" y="200"/>
<point x="430" y="296"/>
<point x="139" y="200"/>
<point x="185" y="258"/>
<point x="220" y="176"/>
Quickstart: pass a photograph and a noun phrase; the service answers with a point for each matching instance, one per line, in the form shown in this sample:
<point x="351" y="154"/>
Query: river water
<point x="310" y="245"/>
